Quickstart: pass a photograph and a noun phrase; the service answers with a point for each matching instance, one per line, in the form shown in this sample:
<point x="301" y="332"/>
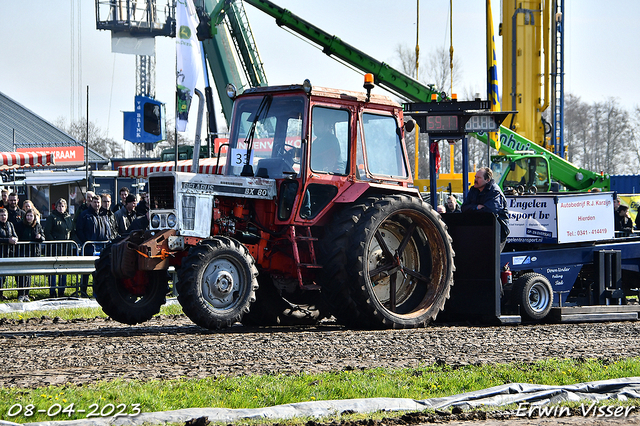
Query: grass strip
<point x="428" y="381"/>
<point x="76" y="313"/>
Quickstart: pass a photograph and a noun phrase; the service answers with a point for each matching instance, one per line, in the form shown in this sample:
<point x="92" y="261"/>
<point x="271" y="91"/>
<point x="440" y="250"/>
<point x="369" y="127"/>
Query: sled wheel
<point x="534" y="294"/>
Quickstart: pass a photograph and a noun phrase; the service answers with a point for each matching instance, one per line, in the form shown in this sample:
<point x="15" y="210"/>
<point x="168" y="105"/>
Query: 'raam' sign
<point x="62" y="154"/>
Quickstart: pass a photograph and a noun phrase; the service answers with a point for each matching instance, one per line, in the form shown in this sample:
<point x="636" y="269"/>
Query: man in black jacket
<point x="8" y="237"/>
<point x="91" y="227"/>
<point x="486" y="196"/>
<point x="452" y="205"/>
<point x="15" y="213"/>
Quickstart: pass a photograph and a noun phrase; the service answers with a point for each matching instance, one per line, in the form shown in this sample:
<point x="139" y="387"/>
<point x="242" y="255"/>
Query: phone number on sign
<point x="94" y="410"/>
<point x="582" y="232"/>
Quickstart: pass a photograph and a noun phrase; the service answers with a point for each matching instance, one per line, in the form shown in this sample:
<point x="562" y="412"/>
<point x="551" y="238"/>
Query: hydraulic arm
<point x="385" y="76"/>
<point x="560" y="170"/>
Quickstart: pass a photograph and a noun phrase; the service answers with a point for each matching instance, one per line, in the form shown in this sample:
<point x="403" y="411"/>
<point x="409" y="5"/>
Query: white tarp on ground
<point x="61" y="303"/>
<point x="48" y="304"/>
<point x="515" y="393"/>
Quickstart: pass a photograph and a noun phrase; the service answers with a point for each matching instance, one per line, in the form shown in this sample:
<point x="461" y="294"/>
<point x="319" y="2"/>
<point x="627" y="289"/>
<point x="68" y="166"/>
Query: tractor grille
<point x="161" y="191"/>
<point x="188" y="212"/>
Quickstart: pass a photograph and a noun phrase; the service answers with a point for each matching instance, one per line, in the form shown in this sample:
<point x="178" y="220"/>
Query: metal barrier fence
<point x="53" y="265"/>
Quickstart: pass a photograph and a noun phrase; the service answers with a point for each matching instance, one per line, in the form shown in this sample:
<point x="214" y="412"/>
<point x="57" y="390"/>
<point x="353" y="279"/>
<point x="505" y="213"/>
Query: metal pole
<point x="465" y="167"/>
<point x="86" y="154"/>
<point x="417" y="37"/>
<point x="196" y="146"/>
<point x="175" y="131"/>
<point x="432" y="176"/>
<point x="417" y="129"/>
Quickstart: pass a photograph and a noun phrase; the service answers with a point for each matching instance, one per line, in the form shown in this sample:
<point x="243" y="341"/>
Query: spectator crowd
<point x="95" y="222"/>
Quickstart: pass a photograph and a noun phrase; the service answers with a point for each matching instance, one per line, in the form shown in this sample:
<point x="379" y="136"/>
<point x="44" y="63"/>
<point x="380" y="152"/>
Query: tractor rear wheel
<point x="398" y="267"/>
<point x="534" y="294"/>
<point x="217" y="282"/>
<point x="130" y="300"/>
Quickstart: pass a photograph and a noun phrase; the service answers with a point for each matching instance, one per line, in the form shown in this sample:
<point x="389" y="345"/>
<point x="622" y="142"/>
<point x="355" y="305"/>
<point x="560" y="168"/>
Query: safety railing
<point x="53" y="265"/>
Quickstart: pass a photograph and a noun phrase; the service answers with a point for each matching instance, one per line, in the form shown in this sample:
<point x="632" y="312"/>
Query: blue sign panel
<point x="147" y="123"/>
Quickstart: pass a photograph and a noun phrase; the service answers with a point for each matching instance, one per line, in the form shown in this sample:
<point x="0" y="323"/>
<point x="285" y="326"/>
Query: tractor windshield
<point x="383" y="147"/>
<point x="266" y="134"/>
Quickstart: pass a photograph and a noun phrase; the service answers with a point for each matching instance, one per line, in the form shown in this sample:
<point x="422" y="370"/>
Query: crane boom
<point x="385" y="75"/>
<point x="560" y="170"/>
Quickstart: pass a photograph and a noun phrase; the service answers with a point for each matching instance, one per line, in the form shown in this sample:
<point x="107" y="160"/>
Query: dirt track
<point x="44" y="351"/>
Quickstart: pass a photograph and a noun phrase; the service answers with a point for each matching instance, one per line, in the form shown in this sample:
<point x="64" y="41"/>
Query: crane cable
<point x="451" y="45"/>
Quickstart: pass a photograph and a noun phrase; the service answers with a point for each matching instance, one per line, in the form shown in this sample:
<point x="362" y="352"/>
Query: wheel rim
<point x="222" y="283"/>
<point x="403" y="271"/>
<point x="389" y="235"/>
<point x="539" y="297"/>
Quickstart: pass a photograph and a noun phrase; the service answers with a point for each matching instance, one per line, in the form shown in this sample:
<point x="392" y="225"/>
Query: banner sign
<point x="145" y="124"/>
<point x="532" y="219"/>
<point x="552" y="219"/>
<point x="187" y="56"/>
<point x="62" y="154"/>
<point x="587" y="217"/>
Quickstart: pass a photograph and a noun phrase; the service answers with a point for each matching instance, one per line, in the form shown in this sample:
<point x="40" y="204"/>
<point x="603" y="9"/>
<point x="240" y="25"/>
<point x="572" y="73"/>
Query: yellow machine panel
<point x="525" y="31"/>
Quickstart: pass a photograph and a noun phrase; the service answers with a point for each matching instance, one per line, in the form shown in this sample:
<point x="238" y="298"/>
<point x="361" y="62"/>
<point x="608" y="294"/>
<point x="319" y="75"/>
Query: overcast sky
<point x="602" y="51"/>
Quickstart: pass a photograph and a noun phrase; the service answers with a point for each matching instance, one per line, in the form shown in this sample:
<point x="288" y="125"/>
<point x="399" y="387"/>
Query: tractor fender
<point x="357" y="189"/>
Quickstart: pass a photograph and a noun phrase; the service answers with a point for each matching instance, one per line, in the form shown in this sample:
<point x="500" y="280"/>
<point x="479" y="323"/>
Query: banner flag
<point x="493" y="93"/>
<point x="187" y="59"/>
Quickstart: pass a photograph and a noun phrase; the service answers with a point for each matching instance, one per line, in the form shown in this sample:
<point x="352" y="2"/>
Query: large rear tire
<point x="398" y="264"/>
<point x="217" y="283"/>
<point x="129" y="301"/>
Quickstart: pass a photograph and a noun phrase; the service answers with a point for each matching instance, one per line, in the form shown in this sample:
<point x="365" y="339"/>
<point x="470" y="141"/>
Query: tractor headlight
<point x="172" y="220"/>
<point x="155" y="221"/>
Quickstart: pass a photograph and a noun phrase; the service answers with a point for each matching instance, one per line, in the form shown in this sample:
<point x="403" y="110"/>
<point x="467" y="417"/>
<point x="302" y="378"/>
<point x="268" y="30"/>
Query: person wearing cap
<point x="126" y="214"/>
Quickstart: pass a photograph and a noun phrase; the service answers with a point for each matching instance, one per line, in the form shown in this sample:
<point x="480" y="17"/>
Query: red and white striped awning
<point x="12" y="160"/>
<point x="206" y="166"/>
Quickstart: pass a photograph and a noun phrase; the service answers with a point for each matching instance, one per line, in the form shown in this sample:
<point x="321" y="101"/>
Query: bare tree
<point x="437" y="70"/>
<point x="635" y="129"/>
<point x="98" y="140"/>
<point x="577" y="128"/>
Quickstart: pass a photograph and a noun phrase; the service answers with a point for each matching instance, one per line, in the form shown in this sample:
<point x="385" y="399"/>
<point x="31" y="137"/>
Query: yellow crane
<point x="526" y="58"/>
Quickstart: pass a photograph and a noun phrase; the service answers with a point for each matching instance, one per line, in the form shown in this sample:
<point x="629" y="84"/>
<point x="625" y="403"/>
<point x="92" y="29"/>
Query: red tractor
<point x="315" y="208"/>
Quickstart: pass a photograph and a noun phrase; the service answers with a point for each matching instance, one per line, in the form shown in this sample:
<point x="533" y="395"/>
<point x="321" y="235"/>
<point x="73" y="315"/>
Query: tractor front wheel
<point x="217" y="282"/>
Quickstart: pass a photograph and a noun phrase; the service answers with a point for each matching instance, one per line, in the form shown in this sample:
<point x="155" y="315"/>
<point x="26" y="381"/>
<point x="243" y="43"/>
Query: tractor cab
<point x="316" y="143"/>
<point x="524" y="172"/>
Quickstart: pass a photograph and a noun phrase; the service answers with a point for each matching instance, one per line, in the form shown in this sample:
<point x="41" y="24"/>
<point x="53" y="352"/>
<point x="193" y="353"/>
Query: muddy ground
<point x="47" y="351"/>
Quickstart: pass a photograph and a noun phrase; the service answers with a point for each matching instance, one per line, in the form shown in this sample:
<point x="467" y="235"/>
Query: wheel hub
<point x="223" y="283"/>
<point x="538" y="298"/>
<point x="220" y="283"/>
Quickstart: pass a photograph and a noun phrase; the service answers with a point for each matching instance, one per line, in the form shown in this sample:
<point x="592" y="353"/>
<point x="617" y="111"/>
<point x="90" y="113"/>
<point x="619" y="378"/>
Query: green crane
<point x="524" y="163"/>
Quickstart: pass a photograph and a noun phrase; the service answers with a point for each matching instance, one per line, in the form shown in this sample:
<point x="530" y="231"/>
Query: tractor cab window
<point x="383" y="147"/>
<point x="266" y="138"/>
<point x="518" y="173"/>
<point x="329" y="140"/>
<point x="529" y="173"/>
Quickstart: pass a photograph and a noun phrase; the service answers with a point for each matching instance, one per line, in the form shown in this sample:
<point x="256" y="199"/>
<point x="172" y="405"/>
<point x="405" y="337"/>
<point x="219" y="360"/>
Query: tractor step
<point x="310" y="265"/>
